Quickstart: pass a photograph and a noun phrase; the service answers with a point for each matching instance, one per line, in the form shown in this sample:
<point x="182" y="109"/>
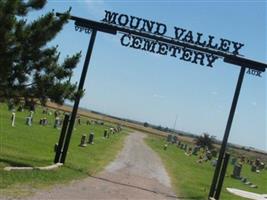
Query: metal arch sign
<point x="150" y="36"/>
<point x="180" y="34"/>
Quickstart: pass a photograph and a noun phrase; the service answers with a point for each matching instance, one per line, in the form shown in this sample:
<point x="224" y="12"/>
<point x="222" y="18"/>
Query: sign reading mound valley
<point x="180" y="34"/>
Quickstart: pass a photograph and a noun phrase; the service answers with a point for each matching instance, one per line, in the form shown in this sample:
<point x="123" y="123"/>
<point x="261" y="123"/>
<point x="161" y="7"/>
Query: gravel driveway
<point x="136" y="173"/>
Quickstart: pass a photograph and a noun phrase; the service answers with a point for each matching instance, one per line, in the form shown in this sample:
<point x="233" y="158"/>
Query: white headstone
<point x="13" y="118"/>
<point x="31" y="114"/>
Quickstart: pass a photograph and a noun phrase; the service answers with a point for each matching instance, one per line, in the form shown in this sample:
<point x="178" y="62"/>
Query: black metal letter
<point x="110" y="17"/>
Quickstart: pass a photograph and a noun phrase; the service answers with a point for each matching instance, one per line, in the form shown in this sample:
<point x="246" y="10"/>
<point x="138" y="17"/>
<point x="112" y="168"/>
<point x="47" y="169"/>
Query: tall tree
<point x="205" y="140"/>
<point x="30" y="69"/>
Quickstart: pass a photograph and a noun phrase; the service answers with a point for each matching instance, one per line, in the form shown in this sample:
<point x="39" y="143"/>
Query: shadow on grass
<point x="22" y="162"/>
<point x="13" y="163"/>
<point x="145" y="189"/>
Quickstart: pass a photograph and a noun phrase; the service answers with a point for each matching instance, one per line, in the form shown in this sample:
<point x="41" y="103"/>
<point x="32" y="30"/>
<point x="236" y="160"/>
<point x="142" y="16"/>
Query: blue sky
<point x="147" y="87"/>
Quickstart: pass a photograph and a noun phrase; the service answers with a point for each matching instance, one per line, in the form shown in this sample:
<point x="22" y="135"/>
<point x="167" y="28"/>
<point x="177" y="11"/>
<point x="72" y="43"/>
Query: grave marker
<point x="105" y="133"/>
<point x="237" y="171"/>
<point x="13" y="118"/>
<point x="91" y="138"/>
<point x="169" y="138"/>
<point x="83" y="141"/>
<point x="57" y="122"/>
<point x="29" y="121"/>
<point x="174" y="139"/>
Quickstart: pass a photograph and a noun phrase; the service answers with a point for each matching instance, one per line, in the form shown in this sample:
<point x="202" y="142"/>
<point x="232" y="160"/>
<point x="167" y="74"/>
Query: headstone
<point x="237" y="171"/>
<point x="165" y="147"/>
<point x="28" y="121"/>
<point x="214" y="153"/>
<point x="56" y="113"/>
<point x="119" y="128"/>
<point x="31" y="113"/>
<point x="88" y="122"/>
<point x="208" y="155"/>
<point x="244" y="179"/>
<point x="83" y="141"/>
<point x="91" y="138"/>
<point x="44" y="121"/>
<point x="13" y="118"/>
<point x="105" y="133"/>
<point x="233" y="161"/>
<point x="181" y="146"/>
<point x="251" y="162"/>
<point x="195" y="151"/>
<point x="178" y="143"/>
<point x="253" y="168"/>
<point x="169" y="138"/>
<point x="20" y="108"/>
<point x="185" y="147"/>
<point x="57" y="122"/>
<point x="262" y="166"/>
<point x="174" y="139"/>
<point x="257" y="162"/>
<point x="45" y="111"/>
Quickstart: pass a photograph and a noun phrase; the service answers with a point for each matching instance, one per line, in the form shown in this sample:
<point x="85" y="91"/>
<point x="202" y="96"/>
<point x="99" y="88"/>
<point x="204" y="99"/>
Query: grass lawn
<point x="33" y="146"/>
<point x="192" y="180"/>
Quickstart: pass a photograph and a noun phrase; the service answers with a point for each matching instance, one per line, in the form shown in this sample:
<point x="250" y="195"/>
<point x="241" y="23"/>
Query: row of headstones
<point x="107" y="133"/>
<point x="237" y="175"/>
<point x="89" y="122"/>
<point x="191" y="150"/>
<point x="29" y="120"/>
<point x="256" y="165"/>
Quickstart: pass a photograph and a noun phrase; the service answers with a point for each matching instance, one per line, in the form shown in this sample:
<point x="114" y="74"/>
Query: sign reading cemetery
<point x="180" y="34"/>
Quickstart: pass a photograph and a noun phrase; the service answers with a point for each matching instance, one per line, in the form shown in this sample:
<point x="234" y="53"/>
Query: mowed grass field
<point x="191" y="180"/>
<point x="34" y="146"/>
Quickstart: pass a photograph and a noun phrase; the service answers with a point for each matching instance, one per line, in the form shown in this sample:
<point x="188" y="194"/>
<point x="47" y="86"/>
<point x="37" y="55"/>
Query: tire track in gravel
<point x="136" y="173"/>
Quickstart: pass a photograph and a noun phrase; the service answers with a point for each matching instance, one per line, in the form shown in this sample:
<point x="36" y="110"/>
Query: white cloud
<point x="158" y="96"/>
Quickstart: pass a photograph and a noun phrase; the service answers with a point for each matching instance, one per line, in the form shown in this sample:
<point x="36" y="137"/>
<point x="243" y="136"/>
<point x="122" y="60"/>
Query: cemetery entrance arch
<point x="151" y="36"/>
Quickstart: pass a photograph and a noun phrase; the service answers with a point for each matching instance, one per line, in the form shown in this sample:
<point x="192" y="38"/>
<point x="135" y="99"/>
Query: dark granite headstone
<point x="91" y="138"/>
<point x="105" y="133"/>
<point x="169" y="138"/>
<point x="174" y="139"/>
<point x="237" y="171"/>
<point x="83" y="141"/>
<point x="195" y="151"/>
<point x="233" y="161"/>
<point x="253" y="168"/>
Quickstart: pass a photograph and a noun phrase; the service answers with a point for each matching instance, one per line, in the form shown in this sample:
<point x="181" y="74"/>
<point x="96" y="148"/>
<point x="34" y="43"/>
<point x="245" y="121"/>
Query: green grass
<point x="192" y="180"/>
<point x="33" y="146"/>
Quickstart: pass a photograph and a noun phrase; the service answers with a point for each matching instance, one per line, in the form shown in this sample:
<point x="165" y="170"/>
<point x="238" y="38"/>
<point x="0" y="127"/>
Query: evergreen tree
<point x="28" y="68"/>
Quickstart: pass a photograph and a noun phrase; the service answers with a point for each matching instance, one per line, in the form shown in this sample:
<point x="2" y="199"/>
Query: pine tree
<point x="30" y="69"/>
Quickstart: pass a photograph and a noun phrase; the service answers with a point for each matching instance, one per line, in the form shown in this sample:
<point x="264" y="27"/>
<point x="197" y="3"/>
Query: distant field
<point x="33" y="146"/>
<point x="192" y="180"/>
<point x="139" y="127"/>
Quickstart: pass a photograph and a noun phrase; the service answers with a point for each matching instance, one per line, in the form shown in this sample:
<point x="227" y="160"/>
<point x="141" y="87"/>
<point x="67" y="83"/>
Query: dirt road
<point x="136" y="173"/>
